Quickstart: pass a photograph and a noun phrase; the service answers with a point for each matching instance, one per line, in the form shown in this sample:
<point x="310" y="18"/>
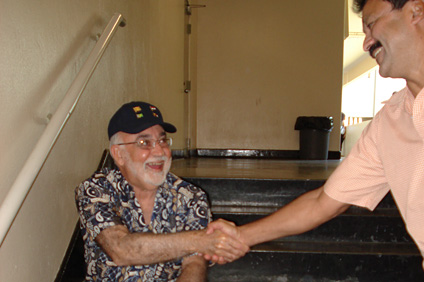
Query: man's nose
<point x="368" y="42"/>
<point x="157" y="149"/>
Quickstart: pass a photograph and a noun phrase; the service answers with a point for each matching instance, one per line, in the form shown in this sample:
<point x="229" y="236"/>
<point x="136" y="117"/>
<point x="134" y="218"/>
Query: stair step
<point x="352" y="226"/>
<point x="261" y="192"/>
<point x="319" y="267"/>
<point x="325" y="247"/>
<point x="265" y="210"/>
<point x="266" y="192"/>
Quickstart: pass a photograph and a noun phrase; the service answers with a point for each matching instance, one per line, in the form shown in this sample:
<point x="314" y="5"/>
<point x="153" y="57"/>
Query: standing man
<point x="139" y="222"/>
<point x="389" y="156"/>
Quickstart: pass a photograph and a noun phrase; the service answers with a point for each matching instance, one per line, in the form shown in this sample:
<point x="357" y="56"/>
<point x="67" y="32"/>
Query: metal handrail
<point x="39" y="154"/>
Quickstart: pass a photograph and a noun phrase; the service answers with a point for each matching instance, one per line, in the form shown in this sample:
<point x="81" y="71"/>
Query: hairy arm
<point x="194" y="269"/>
<point x="127" y="248"/>
<point x="303" y="214"/>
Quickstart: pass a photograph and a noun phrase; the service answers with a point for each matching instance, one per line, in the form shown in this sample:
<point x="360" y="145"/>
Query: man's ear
<point x="116" y="153"/>
<point x="417" y="10"/>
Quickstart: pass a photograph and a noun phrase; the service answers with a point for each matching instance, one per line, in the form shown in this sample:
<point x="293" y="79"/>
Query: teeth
<point x="376" y="52"/>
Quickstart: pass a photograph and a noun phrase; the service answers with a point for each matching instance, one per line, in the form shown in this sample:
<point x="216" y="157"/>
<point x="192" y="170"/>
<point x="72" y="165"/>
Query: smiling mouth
<point x="156" y="165"/>
<point x="375" y="49"/>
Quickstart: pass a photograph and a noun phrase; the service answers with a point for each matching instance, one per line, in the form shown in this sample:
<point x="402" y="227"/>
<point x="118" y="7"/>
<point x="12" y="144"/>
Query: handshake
<point x="223" y="242"/>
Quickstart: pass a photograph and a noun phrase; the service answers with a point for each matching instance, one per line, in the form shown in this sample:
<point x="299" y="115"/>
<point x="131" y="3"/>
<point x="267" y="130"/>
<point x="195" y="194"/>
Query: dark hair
<point x="358" y="5"/>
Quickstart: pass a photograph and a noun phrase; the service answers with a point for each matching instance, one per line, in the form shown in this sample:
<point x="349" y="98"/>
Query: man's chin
<point x="384" y="73"/>
<point x="157" y="179"/>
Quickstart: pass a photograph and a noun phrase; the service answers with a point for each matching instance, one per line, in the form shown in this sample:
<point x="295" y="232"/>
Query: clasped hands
<point x="225" y="242"/>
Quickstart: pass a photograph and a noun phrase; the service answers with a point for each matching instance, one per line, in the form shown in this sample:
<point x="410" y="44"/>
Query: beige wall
<point x="261" y="64"/>
<point x="43" y="44"/>
<point x="259" y="67"/>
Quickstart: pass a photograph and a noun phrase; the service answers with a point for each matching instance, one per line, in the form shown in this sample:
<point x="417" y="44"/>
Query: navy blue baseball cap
<point x="135" y="117"/>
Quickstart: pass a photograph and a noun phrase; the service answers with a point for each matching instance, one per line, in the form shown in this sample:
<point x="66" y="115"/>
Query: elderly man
<point x="140" y="222"/>
<point x="390" y="153"/>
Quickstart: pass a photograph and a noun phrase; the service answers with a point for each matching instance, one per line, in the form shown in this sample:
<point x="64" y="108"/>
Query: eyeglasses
<point x="150" y="143"/>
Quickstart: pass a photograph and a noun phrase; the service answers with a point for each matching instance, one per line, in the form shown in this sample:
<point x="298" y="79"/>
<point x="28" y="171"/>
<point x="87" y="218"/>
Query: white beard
<point x="150" y="177"/>
<point x="156" y="178"/>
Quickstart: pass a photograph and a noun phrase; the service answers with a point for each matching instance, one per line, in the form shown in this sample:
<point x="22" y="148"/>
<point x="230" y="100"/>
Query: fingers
<point x="224" y="248"/>
<point x="226" y="245"/>
<point x="219" y="260"/>
<point x="234" y="247"/>
<point x="216" y="259"/>
<point x="223" y="225"/>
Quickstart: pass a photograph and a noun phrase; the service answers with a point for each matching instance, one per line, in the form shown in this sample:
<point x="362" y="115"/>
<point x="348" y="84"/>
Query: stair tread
<point x="238" y="168"/>
<point x="406" y="249"/>
<point x="268" y="209"/>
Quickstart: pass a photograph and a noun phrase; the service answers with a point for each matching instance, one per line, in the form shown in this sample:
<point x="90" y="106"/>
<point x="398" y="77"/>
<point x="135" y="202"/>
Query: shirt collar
<point x="410" y="100"/>
<point x="404" y="95"/>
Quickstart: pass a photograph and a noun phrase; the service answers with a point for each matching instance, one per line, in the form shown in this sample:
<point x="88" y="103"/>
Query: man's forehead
<point x="374" y="8"/>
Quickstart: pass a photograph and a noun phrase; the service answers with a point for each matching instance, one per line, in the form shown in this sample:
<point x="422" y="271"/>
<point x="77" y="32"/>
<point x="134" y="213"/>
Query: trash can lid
<point x="312" y="122"/>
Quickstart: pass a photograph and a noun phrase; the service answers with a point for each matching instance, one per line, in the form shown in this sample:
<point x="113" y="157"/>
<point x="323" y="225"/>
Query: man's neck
<point x="414" y="88"/>
<point x="146" y="194"/>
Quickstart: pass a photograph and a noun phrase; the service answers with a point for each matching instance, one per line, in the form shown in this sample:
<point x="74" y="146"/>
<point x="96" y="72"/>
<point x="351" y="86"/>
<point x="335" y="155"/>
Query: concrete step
<point x="355" y="225"/>
<point x="261" y="192"/>
<point x="359" y="245"/>
<point x="324" y="262"/>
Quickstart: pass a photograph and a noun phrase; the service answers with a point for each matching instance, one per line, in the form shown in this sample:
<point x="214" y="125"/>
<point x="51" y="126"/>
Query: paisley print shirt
<point x="106" y="199"/>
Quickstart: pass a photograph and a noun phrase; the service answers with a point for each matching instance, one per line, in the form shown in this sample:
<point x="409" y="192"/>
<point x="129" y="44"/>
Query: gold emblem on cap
<point x="137" y="111"/>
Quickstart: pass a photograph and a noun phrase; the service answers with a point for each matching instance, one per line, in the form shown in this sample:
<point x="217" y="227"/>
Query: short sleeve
<point x="95" y="206"/>
<point x="197" y="214"/>
<point x="360" y="179"/>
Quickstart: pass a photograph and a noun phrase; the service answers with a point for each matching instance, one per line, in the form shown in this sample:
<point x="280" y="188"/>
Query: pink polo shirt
<point x="389" y="156"/>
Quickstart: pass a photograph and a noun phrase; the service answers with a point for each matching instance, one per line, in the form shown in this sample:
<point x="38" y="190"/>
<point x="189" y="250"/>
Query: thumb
<point x="210" y="230"/>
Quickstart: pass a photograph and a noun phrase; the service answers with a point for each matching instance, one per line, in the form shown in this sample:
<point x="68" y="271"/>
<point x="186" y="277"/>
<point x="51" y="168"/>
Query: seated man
<point x="139" y="222"/>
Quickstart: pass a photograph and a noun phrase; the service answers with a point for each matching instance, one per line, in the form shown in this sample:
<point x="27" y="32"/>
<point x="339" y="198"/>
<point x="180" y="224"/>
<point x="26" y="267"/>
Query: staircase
<point x="356" y="246"/>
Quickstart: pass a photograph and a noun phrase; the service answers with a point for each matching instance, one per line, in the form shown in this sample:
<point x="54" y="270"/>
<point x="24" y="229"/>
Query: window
<point x="363" y="97"/>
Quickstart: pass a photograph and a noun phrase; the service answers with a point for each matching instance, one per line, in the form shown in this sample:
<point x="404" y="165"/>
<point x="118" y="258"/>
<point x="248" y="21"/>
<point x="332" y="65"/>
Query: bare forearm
<point x="127" y="248"/>
<point x="303" y="214"/>
<point x="194" y="270"/>
<point x="142" y="248"/>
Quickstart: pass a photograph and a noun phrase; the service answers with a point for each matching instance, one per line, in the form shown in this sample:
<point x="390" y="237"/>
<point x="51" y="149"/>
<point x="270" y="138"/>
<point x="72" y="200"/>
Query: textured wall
<point x="259" y="65"/>
<point x="43" y="44"/>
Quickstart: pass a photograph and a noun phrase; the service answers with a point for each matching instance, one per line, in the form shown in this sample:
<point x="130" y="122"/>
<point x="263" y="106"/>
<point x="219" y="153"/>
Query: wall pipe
<point x="25" y="179"/>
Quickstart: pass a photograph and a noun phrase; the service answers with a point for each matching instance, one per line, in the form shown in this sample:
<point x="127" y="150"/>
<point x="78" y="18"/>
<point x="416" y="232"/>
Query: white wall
<point x="43" y="44"/>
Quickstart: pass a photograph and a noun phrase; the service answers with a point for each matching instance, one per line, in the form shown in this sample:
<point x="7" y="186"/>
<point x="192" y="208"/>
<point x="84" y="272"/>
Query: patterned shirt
<point x="106" y="199"/>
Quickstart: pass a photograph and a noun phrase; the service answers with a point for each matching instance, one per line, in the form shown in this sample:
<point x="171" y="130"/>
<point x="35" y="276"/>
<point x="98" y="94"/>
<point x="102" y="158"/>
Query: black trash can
<point x="314" y="137"/>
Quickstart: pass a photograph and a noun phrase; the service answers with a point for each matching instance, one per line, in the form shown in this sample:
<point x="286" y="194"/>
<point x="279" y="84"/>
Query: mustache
<point x="157" y="159"/>
<point x="373" y="47"/>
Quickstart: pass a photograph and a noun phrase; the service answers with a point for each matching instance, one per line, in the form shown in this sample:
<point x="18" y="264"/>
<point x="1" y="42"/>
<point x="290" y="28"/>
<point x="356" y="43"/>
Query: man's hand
<point x="229" y="236"/>
<point x="194" y="269"/>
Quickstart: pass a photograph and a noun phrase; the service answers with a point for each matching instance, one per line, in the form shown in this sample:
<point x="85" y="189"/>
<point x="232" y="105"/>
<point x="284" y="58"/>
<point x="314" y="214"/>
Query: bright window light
<point x="363" y="97"/>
